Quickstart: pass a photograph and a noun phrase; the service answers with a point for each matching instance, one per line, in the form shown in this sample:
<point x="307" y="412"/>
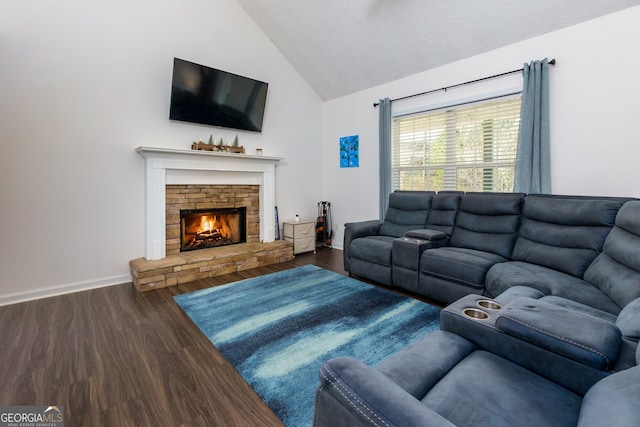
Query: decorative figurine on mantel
<point x="220" y="147"/>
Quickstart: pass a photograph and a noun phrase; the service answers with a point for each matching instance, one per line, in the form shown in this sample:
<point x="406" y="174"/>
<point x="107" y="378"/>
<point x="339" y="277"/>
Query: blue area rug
<point x="277" y="330"/>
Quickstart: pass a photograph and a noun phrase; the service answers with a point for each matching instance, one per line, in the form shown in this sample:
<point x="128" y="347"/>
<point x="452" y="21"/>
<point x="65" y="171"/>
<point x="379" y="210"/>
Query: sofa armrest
<point x="418" y="367"/>
<point x="354" y="394"/>
<point x="427" y="234"/>
<point x="464" y="317"/>
<point x="586" y="339"/>
<point x="363" y="228"/>
<point x="629" y="320"/>
<point x="355" y="230"/>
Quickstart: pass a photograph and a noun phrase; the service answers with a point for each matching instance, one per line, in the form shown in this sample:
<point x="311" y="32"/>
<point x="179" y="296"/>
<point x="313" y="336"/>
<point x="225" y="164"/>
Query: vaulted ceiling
<point x="343" y="46"/>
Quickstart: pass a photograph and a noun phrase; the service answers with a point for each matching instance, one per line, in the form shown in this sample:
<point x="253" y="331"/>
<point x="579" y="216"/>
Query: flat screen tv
<point x="201" y="94"/>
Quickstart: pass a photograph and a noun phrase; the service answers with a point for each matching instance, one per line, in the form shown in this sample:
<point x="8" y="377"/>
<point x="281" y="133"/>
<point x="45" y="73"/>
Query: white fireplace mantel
<point x="170" y="166"/>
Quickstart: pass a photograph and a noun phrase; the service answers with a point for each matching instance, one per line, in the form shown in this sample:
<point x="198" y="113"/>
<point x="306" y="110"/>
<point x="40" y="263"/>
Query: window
<point x="465" y="148"/>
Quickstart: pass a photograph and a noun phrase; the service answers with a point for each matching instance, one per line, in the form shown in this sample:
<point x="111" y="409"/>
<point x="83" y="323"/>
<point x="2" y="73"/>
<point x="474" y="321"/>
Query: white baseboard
<point x="61" y="290"/>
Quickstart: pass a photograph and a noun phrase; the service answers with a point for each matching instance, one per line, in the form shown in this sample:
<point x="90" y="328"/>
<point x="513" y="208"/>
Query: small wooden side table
<point x="302" y="234"/>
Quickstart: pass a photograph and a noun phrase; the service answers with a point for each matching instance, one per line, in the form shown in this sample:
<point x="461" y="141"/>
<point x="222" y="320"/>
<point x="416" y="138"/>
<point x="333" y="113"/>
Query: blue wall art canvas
<point x="349" y="152"/>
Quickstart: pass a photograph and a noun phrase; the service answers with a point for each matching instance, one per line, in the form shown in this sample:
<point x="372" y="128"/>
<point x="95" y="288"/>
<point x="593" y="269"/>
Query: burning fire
<point x="206" y="230"/>
<point x="207" y="224"/>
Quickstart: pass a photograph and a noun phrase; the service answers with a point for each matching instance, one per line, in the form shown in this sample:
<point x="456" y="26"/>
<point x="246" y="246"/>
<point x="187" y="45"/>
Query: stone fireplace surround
<point x="167" y="169"/>
<point x="188" y="197"/>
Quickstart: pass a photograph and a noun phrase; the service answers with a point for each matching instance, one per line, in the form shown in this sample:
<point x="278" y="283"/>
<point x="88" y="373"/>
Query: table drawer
<point x="305" y="244"/>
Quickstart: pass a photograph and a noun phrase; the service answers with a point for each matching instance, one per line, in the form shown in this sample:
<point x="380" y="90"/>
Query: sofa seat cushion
<point x="550" y="282"/>
<point x="467" y="267"/>
<point x="376" y="249"/>
<point x="485" y="389"/>
<point x="613" y="401"/>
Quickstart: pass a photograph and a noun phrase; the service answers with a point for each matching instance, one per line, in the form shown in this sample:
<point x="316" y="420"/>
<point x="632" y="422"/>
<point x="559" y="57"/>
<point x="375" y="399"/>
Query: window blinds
<point x="467" y="148"/>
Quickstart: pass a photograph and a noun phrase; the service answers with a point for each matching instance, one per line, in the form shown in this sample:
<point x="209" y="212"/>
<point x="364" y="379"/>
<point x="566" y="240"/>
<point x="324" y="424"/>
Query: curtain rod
<point x="375" y="104"/>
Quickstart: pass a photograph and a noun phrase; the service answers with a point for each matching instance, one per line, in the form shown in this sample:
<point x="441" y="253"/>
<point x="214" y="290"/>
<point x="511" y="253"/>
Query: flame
<point x="211" y="230"/>
<point x="207" y="223"/>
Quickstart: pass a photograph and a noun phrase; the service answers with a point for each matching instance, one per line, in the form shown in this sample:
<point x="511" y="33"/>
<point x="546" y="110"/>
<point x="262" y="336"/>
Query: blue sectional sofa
<point x="542" y="323"/>
<point x="497" y="241"/>
<point x="446" y="380"/>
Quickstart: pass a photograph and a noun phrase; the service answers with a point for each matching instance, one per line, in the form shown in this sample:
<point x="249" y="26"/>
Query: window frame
<point x="450" y="167"/>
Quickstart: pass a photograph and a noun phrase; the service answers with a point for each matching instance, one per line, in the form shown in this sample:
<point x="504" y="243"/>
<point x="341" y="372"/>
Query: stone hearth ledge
<point x="200" y="264"/>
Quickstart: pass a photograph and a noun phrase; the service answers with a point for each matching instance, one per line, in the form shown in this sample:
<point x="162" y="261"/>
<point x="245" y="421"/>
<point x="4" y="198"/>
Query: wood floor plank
<point x="116" y="357"/>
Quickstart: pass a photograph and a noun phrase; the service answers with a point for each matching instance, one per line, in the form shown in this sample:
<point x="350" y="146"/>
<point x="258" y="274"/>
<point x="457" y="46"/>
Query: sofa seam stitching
<point x="336" y="381"/>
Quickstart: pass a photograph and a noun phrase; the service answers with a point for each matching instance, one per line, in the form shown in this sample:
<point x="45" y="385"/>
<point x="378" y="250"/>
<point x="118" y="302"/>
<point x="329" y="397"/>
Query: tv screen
<point x="200" y="94"/>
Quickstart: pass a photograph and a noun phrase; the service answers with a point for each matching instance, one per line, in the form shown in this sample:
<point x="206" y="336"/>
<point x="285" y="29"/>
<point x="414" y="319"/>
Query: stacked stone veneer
<point x="200" y="264"/>
<point x="182" y="267"/>
<point x="181" y="197"/>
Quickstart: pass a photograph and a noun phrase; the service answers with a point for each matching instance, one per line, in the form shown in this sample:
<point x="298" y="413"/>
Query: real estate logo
<point x="31" y="416"/>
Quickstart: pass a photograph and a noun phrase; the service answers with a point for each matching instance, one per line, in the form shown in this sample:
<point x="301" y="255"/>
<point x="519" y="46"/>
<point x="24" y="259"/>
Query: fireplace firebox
<point x="209" y="228"/>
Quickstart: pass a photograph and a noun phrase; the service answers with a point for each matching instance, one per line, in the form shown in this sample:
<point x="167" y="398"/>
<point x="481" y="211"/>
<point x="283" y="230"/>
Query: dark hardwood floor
<point x="116" y="357"/>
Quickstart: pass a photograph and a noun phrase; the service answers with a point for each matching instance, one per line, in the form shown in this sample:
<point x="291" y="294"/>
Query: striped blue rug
<point x="277" y="330"/>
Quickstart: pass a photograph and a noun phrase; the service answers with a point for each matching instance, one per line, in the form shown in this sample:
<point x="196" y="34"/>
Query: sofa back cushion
<point x="488" y="222"/>
<point x="564" y="233"/>
<point x="444" y="209"/>
<point x="616" y="271"/>
<point x="407" y="210"/>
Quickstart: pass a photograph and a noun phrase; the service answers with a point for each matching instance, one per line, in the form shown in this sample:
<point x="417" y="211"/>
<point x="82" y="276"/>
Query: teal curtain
<point x="385" y="154"/>
<point x="533" y="165"/>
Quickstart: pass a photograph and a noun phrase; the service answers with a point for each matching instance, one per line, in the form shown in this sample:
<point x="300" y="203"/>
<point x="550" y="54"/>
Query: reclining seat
<point x="570" y="253"/>
<point x="484" y="234"/>
<point x="368" y="244"/>
<point x="407" y="251"/>
<point x="444" y="380"/>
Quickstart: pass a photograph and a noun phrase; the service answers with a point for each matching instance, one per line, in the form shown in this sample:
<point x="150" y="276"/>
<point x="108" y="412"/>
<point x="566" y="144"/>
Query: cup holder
<point x="489" y="305"/>
<point x="474" y="313"/>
